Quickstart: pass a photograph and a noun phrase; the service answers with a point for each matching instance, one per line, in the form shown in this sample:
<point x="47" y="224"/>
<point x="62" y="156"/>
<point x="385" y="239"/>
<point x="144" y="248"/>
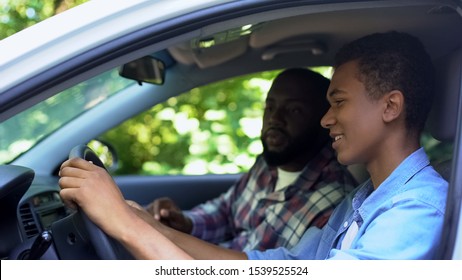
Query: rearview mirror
<point x="146" y="69"/>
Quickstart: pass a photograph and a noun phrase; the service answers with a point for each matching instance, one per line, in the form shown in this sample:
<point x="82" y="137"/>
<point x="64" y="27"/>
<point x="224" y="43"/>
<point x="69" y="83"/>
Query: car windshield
<point x="24" y="130"/>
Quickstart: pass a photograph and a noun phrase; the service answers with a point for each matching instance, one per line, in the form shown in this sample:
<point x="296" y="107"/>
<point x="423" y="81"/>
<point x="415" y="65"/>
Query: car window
<point x="27" y="128"/>
<point x="214" y="129"/>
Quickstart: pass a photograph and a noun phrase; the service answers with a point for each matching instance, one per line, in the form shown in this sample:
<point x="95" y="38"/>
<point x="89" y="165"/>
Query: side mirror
<point x="146" y="69"/>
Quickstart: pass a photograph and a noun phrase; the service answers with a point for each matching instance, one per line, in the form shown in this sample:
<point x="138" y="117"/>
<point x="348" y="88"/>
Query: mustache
<point x="278" y="129"/>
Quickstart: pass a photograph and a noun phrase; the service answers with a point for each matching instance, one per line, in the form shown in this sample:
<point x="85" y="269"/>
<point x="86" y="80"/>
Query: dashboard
<point x="37" y="213"/>
<point x="36" y="224"/>
<point x="29" y="205"/>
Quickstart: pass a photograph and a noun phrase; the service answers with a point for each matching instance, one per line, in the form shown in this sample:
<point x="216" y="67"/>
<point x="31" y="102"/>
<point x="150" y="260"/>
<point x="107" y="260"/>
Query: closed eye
<point x="338" y="102"/>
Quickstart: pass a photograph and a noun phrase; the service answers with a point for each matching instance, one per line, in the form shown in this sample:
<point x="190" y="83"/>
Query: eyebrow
<point x="334" y="93"/>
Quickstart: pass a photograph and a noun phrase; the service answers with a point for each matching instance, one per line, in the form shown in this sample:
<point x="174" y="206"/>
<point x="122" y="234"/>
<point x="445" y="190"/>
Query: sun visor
<point x="208" y="56"/>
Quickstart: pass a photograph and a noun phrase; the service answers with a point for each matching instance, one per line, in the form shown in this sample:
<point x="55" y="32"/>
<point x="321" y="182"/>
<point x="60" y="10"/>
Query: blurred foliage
<point x="16" y="15"/>
<point x="211" y="129"/>
<point x="214" y="129"/>
<point x="32" y="125"/>
<point x="437" y="151"/>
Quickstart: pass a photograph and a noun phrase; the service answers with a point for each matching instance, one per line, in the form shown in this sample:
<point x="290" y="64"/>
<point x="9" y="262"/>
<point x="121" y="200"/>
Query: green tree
<point x="16" y="15"/>
<point x="210" y="129"/>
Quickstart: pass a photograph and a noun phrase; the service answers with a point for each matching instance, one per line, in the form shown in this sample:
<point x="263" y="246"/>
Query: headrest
<point x="443" y="116"/>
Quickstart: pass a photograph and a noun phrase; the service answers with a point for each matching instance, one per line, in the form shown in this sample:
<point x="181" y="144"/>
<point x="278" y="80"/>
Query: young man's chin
<point x="344" y="159"/>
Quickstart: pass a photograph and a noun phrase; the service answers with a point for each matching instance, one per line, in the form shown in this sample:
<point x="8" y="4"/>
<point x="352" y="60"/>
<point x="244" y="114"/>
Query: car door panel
<point x="186" y="190"/>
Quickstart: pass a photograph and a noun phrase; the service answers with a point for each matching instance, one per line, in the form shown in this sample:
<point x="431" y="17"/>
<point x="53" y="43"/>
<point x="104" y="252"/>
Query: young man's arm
<point x="196" y="248"/>
<point x="93" y="189"/>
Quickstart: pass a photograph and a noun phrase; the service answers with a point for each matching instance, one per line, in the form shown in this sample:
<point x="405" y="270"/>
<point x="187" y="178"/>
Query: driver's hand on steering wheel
<point x="90" y="187"/>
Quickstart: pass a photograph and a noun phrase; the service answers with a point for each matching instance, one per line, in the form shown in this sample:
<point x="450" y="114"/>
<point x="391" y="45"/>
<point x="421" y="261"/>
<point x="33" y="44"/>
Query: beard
<point x="296" y="147"/>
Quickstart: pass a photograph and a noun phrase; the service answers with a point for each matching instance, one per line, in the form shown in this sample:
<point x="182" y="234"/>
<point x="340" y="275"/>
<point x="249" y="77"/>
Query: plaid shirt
<point x="251" y="215"/>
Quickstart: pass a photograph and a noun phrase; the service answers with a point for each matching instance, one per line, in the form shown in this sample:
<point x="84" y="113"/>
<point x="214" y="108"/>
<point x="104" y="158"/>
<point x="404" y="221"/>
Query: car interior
<point x="240" y="42"/>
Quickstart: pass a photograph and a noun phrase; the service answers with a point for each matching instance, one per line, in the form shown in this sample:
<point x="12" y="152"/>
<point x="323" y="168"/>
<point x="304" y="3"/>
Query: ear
<point x="394" y="105"/>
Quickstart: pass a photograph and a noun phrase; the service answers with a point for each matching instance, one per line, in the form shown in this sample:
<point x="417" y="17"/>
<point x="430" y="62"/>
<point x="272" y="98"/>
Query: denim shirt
<point x="401" y="219"/>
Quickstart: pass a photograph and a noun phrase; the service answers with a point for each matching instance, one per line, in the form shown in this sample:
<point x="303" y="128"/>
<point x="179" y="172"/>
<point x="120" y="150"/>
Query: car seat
<point x="442" y="122"/>
<point x="443" y="125"/>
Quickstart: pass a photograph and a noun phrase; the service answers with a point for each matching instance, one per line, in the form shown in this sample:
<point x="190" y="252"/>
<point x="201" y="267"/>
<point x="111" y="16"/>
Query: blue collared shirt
<point x="401" y="219"/>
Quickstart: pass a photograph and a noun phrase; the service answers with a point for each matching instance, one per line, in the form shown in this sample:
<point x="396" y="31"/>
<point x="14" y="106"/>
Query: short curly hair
<point x="394" y="61"/>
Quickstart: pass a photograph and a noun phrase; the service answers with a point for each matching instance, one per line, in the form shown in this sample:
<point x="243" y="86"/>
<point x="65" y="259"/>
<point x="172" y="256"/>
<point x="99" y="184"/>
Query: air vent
<point x="30" y="227"/>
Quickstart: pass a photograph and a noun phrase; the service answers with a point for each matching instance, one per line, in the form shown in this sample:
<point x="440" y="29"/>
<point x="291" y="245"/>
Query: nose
<point x="276" y="116"/>
<point x="328" y="120"/>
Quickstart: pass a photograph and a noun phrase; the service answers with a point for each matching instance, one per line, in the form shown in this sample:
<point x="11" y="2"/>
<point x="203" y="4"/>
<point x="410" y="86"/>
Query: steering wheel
<point x="77" y="231"/>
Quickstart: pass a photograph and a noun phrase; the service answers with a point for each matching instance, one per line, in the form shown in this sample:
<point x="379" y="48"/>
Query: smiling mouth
<point x="338" y="138"/>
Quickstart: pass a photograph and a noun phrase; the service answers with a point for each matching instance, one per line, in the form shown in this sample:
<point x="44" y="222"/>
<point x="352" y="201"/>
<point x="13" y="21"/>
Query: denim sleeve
<point x="408" y="229"/>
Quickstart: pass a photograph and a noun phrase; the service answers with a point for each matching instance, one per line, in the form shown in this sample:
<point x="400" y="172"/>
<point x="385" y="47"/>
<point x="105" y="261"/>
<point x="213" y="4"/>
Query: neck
<point x="390" y="156"/>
